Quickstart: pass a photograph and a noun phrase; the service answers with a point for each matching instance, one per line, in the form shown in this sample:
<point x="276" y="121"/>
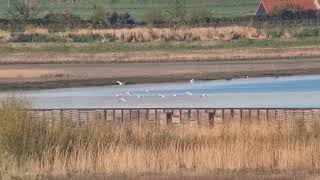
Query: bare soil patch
<point x="30" y="73"/>
<point x="76" y="75"/>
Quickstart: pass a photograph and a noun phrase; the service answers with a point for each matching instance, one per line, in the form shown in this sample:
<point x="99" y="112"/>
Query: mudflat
<point x="37" y="76"/>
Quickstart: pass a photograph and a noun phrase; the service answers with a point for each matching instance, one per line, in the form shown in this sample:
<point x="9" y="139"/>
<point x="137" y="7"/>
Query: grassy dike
<point x="33" y="149"/>
<point x="171" y="46"/>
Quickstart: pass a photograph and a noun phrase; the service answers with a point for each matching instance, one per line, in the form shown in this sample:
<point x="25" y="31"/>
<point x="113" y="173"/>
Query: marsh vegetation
<point x="31" y="148"/>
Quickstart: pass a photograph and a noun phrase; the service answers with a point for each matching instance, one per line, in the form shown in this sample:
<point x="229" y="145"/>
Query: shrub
<point x="99" y="14"/>
<point x="200" y="16"/>
<point x="61" y="21"/>
<point x="37" y="38"/>
<point x="177" y="12"/>
<point x="87" y="38"/>
<point x="155" y="16"/>
<point x="125" y="19"/>
<point x="24" y="9"/>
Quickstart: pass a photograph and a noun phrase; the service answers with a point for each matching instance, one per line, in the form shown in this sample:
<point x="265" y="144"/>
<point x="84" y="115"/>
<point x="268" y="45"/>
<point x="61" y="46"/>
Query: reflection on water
<point x="294" y="91"/>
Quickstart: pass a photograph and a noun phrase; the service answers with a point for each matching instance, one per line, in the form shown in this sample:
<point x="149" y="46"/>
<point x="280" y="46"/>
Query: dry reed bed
<point x="145" y="34"/>
<point x="34" y="148"/>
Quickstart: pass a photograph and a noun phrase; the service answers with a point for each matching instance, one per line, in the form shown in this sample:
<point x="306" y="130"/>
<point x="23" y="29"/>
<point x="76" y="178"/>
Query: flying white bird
<point x="149" y="90"/>
<point x="204" y="95"/>
<point x="128" y="93"/>
<point x="161" y="95"/>
<point x="120" y="83"/>
<point x="192" y="81"/>
<point x="188" y="93"/>
<point x="123" y="100"/>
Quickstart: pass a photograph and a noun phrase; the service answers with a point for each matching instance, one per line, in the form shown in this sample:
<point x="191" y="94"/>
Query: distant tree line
<point x="28" y="12"/>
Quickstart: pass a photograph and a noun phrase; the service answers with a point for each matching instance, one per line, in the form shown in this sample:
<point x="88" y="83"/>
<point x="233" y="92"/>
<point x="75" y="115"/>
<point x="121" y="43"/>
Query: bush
<point x="37" y="38"/>
<point x="61" y="21"/>
<point x="99" y="14"/>
<point x="103" y="18"/>
<point x="125" y="19"/>
<point x="24" y="9"/>
<point x="155" y="16"/>
<point x="177" y="12"/>
<point x="87" y="38"/>
<point x="200" y="16"/>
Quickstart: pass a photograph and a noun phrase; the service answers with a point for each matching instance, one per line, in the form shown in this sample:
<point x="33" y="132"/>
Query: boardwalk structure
<point x="175" y="116"/>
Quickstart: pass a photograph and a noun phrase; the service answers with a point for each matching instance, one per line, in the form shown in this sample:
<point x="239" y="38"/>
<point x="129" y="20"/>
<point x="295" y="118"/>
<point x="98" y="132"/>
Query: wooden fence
<point x="175" y="116"/>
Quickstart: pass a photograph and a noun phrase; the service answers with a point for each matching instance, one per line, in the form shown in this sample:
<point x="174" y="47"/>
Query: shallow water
<point x="283" y="92"/>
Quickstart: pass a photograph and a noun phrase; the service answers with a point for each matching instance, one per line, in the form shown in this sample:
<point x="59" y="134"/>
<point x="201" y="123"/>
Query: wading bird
<point x="188" y="93"/>
<point x="120" y="83"/>
<point x="149" y="90"/>
<point x="161" y="95"/>
<point x="123" y="100"/>
<point x="128" y="93"/>
<point x="204" y="95"/>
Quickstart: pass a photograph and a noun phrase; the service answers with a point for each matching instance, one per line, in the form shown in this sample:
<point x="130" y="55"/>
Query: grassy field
<point x="35" y="149"/>
<point x="138" y="8"/>
<point x="123" y="47"/>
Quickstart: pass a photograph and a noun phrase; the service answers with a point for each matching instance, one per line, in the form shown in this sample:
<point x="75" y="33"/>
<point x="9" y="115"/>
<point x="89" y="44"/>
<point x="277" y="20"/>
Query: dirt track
<point x="35" y="76"/>
<point x="157" y="56"/>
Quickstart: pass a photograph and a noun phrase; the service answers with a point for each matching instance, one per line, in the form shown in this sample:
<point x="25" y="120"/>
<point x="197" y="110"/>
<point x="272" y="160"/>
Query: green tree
<point x="24" y="9"/>
<point x="177" y="12"/>
<point x="100" y="15"/>
<point x="200" y="15"/>
<point x="154" y="16"/>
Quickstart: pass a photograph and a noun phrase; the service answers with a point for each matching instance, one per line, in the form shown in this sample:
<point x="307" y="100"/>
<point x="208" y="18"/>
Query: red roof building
<point x="267" y="6"/>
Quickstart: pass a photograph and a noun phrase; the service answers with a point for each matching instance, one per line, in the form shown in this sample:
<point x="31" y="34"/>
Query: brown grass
<point x="31" y="148"/>
<point x="181" y="34"/>
<point x="145" y="34"/>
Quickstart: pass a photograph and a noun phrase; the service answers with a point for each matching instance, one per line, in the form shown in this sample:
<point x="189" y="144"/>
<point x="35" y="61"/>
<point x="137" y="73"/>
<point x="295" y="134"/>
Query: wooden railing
<point x="175" y="116"/>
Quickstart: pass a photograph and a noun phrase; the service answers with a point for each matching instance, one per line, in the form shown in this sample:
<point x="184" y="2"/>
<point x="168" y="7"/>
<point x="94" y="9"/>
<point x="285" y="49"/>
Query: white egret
<point x="120" y="83"/>
<point x="204" y="95"/>
<point x="128" y="93"/>
<point x="123" y="100"/>
<point x="149" y="90"/>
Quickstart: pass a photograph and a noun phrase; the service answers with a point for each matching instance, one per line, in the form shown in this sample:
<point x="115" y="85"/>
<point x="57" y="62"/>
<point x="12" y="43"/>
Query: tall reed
<point x="139" y="34"/>
<point x="35" y="147"/>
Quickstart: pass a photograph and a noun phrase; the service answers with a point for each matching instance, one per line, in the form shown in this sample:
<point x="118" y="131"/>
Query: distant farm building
<point x="267" y="7"/>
